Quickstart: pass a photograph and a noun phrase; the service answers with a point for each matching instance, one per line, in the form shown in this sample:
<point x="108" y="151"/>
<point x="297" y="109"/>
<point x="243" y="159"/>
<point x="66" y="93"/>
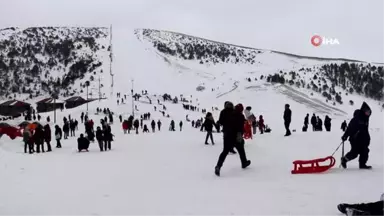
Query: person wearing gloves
<point x="359" y="138"/>
<point x="233" y="136"/>
<point x="372" y="208"/>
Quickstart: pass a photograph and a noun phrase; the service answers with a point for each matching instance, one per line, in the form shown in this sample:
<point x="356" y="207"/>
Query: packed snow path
<point x="172" y="173"/>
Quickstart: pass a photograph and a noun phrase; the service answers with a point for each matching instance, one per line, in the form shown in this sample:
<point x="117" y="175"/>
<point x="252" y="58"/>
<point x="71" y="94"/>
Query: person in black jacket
<point x="306" y="122"/>
<point x="287" y="119"/>
<point x="314" y="122"/>
<point x="344" y="126"/>
<point x="359" y="137"/>
<point x="72" y="127"/>
<point x="145" y="129"/>
<point x="38" y="137"/>
<point x="225" y="118"/>
<point x="136" y="124"/>
<point x="327" y="123"/>
<point x="181" y="125"/>
<point x="159" y="125"/>
<point x="233" y="122"/>
<point x="82" y="143"/>
<point x="47" y="137"/>
<point x="208" y="126"/>
<point x="58" y="136"/>
<point x="153" y="126"/>
<point x="66" y="130"/>
<point x="99" y="137"/>
<point x="319" y="126"/>
<point x="108" y="137"/>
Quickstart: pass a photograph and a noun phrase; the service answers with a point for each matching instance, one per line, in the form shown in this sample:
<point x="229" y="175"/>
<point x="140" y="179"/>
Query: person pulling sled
<point x="359" y="138"/>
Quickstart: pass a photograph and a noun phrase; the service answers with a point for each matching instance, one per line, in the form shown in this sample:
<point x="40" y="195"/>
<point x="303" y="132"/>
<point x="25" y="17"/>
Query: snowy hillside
<point x="332" y="79"/>
<point x="35" y="61"/>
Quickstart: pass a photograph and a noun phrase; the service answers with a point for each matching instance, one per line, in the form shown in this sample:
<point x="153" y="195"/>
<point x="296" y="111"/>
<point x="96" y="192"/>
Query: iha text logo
<point x="317" y="40"/>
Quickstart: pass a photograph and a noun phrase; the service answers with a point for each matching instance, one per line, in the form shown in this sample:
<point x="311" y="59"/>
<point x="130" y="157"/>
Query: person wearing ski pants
<point x="359" y="137"/>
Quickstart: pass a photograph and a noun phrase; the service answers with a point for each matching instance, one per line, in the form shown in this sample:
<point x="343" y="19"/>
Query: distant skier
<point x="359" y="137"/>
<point x="121" y="118"/>
<point x="287" y="119"/>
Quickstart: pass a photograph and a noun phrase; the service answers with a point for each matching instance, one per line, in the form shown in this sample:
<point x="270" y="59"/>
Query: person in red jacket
<point x="125" y="126"/>
<point x="261" y="124"/>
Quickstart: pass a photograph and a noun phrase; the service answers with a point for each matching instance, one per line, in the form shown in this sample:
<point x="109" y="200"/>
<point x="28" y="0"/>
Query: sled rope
<point x="342" y="143"/>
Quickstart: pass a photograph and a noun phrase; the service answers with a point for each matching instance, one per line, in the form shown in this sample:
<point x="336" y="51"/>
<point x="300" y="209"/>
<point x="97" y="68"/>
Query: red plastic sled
<point x="314" y="166"/>
<point x="247" y="130"/>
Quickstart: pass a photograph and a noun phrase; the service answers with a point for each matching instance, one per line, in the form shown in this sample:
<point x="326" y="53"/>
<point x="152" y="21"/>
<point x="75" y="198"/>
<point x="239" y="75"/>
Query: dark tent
<point x="74" y="102"/>
<point x="14" y="108"/>
<point x="49" y="104"/>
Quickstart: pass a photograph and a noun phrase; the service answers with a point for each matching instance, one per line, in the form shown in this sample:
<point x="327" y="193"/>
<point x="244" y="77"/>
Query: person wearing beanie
<point x="233" y="137"/>
<point x="359" y="137"/>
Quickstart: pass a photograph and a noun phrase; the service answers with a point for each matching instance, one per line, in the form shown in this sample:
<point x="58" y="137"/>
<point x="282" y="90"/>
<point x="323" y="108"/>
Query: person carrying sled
<point x="82" y="143"/>
<point x="359" y="137"/>
<point x="370" y="208"/>
<point x="233" y="136"/>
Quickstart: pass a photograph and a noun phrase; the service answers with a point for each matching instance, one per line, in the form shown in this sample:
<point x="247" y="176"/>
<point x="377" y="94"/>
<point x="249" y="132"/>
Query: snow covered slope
<point x="36" y="61"/>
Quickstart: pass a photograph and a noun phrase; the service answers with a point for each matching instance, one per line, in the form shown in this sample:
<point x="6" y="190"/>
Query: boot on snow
<point x="344" y="162"/>
<point x="217" y="171"/>
<point x="246" y="164"/>
<point x="364" y="166"/>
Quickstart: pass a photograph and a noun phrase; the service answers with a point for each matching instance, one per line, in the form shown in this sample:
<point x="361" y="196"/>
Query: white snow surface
<point x="172" y="172"/>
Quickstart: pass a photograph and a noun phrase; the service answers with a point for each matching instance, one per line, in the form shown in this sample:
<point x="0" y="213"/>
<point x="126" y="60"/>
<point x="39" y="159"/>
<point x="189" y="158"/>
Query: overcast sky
<point x="283" y="25"/>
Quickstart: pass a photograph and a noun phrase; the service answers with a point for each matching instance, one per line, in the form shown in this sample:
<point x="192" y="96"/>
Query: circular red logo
<point x="316" y="40"/>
